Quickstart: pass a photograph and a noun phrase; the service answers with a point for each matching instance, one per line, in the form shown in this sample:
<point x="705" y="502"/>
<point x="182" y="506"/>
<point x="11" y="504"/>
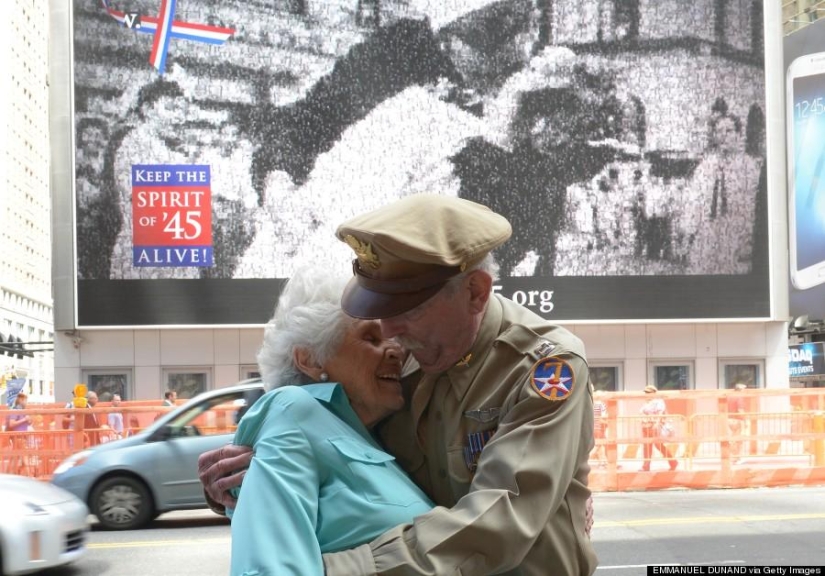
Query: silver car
<point x="41" y="526"/>
<point x="128" y="483"/>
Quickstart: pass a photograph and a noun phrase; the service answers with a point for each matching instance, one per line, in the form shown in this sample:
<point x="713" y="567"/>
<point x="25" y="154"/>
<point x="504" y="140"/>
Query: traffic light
<point x="13" y="346"/>
<point x="20" y="350"/>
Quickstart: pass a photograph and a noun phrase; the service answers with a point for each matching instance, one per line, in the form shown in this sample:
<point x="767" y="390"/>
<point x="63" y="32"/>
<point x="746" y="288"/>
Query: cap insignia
<point x="363" y="250"/>
<point x="465" y="361"/>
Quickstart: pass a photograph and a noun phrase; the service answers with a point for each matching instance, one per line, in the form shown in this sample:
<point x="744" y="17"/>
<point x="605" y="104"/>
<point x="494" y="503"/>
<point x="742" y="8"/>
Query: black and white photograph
<point x="624" y="141"/>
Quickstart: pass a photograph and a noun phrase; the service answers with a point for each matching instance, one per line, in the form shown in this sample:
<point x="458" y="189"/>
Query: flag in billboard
<point x="164" y="28"/>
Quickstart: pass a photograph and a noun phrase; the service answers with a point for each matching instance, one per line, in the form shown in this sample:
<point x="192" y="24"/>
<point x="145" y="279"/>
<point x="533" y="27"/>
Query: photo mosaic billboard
<point x="220" y="143"/>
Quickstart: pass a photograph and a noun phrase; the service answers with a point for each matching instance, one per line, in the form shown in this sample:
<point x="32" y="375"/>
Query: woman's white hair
<point x="309" y="316"/>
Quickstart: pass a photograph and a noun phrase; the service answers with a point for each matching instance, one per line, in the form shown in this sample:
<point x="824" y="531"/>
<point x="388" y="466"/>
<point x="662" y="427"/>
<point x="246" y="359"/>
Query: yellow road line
<point x="155" y="543"/>
<point x="707" y="520"/>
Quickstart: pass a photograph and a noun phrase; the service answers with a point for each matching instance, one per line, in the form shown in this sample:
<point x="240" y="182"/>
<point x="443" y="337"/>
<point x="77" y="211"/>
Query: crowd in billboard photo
<point x="612" y="154"/>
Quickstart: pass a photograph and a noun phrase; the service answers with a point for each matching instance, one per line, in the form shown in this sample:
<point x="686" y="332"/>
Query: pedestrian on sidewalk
<point x="655" y="425"/>
<point x="600" y="430"/>
<point x="737" y="423"/>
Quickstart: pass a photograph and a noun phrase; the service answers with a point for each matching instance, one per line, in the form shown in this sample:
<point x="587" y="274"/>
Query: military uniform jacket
<point x="503" y="454"/>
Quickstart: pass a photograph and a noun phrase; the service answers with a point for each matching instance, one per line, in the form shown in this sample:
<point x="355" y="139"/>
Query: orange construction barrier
<point x="58" y="432"/>
<point x="779" y="440"/>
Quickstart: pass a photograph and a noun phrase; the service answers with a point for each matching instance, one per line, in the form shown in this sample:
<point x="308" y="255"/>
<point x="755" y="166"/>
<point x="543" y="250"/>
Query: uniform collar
<point x="462" y="374"/>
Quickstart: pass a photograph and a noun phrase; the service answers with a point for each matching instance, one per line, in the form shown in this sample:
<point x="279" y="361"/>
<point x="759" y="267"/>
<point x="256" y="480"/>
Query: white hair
<point x="487" y="264"/>
<point x="309" y="316"/>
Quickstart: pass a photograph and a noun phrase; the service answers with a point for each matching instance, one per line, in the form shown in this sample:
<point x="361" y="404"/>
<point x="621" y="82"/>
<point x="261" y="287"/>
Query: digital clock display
<point x="809" y="169"/>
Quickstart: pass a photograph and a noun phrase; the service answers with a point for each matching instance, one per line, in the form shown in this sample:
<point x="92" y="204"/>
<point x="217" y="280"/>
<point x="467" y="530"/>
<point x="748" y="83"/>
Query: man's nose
<point x="392" y="327"/>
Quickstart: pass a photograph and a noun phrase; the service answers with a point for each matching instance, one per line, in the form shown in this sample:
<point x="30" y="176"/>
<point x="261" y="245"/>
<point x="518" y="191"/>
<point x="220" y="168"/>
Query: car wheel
<point x="122" y="503"/>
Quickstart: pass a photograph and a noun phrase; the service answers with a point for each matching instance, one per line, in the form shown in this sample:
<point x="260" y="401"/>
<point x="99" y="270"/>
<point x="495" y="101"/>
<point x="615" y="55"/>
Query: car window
<point x="218" y="415"/>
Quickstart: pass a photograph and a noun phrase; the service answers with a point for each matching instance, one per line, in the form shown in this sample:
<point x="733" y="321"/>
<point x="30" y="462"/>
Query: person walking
<point x="115" y="419"/>
<point x="600" y="430"/>
<point x="655" y="429"/>
<point x="737" y="423"/>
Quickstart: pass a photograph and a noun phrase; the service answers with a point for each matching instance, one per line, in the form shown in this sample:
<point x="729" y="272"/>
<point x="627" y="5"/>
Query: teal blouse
<point x="318" y="483"/>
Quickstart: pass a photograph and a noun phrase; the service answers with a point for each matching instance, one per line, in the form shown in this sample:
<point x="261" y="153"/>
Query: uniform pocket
<point x="375" y="473"/>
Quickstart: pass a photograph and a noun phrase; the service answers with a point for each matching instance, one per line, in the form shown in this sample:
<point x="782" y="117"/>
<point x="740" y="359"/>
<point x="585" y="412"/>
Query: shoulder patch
<point x="553" y="379"/>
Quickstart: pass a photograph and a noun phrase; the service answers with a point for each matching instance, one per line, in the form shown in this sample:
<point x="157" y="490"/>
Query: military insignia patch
<point x="363" y="250"/>
<point x="544" y="349"/>
<point x="553" y="379"/>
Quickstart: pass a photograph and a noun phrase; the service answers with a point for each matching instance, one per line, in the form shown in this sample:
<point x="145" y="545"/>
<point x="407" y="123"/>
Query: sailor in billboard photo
<point x="587" y="122"/>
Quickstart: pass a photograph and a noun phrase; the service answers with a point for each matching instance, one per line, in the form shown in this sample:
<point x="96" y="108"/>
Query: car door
<point x="202" y="427"/>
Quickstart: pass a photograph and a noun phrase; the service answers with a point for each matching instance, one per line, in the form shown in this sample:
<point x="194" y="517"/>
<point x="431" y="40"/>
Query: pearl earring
<point x="324" y="376"/>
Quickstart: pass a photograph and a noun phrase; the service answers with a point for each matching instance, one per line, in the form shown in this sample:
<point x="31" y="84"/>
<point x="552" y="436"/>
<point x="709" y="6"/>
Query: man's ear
<point x="303" y="360"/>
<point x="480" y="285"/>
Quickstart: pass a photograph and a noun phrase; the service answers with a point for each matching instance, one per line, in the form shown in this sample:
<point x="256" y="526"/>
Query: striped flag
<point x="160" y="47"/>
<point x="164" y="27"/>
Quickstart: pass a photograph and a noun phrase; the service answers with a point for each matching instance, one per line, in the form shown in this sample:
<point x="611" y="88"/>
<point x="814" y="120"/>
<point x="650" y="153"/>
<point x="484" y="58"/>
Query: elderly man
<point x="498" y="423"/>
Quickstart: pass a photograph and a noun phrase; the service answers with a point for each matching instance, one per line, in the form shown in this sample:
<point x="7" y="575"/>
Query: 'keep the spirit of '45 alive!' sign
<point x="171" y="215"/>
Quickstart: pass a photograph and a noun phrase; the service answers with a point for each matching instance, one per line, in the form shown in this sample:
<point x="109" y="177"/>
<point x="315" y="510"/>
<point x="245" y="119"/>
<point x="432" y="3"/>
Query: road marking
<point x="153" y="543"/>
<point x="628" y="566"/>
<point x="707" y="520"/>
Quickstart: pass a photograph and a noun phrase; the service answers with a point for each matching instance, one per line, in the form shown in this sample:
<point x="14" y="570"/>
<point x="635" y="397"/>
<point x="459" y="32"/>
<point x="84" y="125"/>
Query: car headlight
<point x="72" y="461"/>
<point x="33" y="509"/>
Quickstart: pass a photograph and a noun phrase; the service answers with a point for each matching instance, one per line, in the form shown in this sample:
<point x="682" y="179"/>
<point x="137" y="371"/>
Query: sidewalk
<point x="700" y="473"/>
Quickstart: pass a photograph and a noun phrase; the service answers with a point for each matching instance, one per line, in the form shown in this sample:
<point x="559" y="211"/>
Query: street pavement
<point x="741" y="527"/>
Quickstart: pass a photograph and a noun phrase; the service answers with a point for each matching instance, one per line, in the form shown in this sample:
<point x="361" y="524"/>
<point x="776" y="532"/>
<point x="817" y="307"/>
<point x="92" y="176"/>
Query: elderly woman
<point x="319" y="482"/>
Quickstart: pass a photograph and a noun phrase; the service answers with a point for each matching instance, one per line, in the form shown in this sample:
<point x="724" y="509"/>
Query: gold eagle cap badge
<point x="363" y="250"/>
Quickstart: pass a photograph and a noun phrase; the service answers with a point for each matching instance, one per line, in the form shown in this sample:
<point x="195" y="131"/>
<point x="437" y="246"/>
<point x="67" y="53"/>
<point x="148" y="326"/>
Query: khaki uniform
<point x="522" y="510"/>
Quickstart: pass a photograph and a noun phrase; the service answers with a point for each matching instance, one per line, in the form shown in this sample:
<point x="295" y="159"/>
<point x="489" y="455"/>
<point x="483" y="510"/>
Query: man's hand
<point x="222" y="469"/>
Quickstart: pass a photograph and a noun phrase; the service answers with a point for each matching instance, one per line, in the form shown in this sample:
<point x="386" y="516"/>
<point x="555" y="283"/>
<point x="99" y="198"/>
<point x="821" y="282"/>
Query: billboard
<point x="804" y="59"/>
<point x="806" y="360"/>
<point x="219" y="144"/>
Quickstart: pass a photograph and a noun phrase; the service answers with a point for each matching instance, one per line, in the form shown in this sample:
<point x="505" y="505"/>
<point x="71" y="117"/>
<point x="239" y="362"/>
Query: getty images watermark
<point x="773" y="570"/>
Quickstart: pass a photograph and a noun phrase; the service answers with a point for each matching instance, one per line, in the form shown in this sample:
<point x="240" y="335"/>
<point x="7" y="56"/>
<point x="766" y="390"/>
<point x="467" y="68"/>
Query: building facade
<point x="26" y="303"/>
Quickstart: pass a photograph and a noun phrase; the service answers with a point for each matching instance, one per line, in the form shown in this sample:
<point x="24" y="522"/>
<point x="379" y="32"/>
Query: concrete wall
<point x="146" y="353"/>
<point x="223" y="352"/>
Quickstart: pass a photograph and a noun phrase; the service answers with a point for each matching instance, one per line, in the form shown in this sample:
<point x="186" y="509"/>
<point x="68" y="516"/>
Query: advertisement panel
<point x="220" y="143"/>
<point x="806" y="360"/>
<point x="804" y="55"/>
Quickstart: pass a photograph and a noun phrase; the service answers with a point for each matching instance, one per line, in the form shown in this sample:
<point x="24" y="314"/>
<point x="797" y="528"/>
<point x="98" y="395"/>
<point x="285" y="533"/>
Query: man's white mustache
<point x="409" y="343"/>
